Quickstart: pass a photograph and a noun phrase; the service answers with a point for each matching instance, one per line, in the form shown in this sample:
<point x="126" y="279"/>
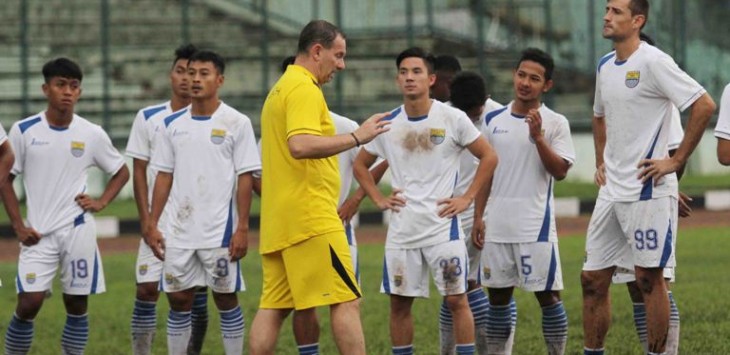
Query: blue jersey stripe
<point x="605" y="60"/>
<point x="79" y="220"/>
<point x="152" y="111"/>
<point x="228" y="233"/>
<point x="238" y="276"/>
<point x="348" y="233"/>
<point x="386" y="279"/>
<point x="174" y="116"/>
<point x="488" y="118"/>
<point x="95" y="276"/>
<point x="393" y="114"/>
<point x="551" y="272"/>
<point x="18" y="284"/>
<point x="544" y="235"/>
<point x="648" y="188"/>
<point x="28" y="123"/>
<point x="667" y="251"/>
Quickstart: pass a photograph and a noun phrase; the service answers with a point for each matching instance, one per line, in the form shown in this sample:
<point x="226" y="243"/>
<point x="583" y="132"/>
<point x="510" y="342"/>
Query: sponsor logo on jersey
<point x="438" y="135"/>
<point x="497" y="130"/>
<point x="632" y="78"/>
<point x="30" y="277"/>
<point x="143" y="269"/>
<point x="77" y="148"/>
<point x="177" y="133"/>
<point x="38" y="142"/>
<point x="217" y="136"/>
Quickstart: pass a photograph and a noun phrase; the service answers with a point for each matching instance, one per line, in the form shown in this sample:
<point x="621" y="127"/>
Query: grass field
<point x="701" y="293"/>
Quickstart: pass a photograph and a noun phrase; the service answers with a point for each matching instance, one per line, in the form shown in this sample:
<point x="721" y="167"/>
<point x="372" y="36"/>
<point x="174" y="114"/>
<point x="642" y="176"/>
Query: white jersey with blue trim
<point x="468" y="164"/>
<point x="676" y="133"/>
<point x="344" y="125"/>
<point x="423" y="153"/>
<point x="636" y="97"/>
<point x="3" y="135"/>
<point x="143" y="137"/>
<point x="205" y="155"/>
<point x="54" y="163"/>
<point x="520" y="208"/>
<point x="722" y="129"/>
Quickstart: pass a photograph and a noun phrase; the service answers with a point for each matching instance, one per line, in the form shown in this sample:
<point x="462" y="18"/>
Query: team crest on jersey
<point x="217" y="136"/>
<point x="438" y="135"/>
<point x="30" y="277"/>
<point x="632" y="78"/>
<point x="169" y="279"/>
<point x="77" y="148"/>
<point x="398" y="280"/>
<point x="487" y="273"/>
<point x="143" y="269"/>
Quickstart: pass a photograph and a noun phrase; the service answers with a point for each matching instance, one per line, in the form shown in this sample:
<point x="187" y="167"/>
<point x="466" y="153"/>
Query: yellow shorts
<point x="315" y="272"/>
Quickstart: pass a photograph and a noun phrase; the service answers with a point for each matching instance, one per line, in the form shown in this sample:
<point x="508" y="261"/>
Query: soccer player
<point x="628" y="277"/>
<point x="305" y="258"/>
<point x="423" y="148"/>
<point x="53" y="150"/>
<point x="469" y="91"/>
<point x="520" y="245"/>
<point x="140" y="147"/>
<point x="722" y="129"/>
<point x="634" y="222"/>
<point x="204" y="152"/>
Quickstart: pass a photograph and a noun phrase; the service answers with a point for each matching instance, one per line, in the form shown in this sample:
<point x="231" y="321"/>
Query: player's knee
<point x="76" y="304"/>
<point x="148" y="292"/>
<point x="225" y="301"/>
<point x="29" y="304"/>
<point x="594" y="284"/>
<point x="650" y="279"/>
<point x="456" y="302"/>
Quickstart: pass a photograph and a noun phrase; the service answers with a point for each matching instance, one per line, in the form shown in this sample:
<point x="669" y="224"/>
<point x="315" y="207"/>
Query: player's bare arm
<point x="308" y="146"/>
<point x="115" y="184"/>
<point x="723" y="151"/>
<point x="160" y="193"/>
<point x="553" y="163"/>
<point x="485" y="171"/>
<point x="599" y="143"/>
<point x="141" y="191"/>
<point x="351" y="204"/>
<point x="701" y="111"/>
<point x="360" y="167"/>
<point x="239" y="240"/>
<point x="26" y="235"/>
<point x="7" y="158"/>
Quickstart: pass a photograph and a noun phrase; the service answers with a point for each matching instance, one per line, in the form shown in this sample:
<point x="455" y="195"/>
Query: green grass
<point x="701" y="293"/>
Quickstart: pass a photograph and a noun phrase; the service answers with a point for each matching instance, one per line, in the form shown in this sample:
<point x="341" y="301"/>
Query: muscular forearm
<point x="599" y="138"/>
<point x="243" y="200"/>
<point x="553" y="163"/>
<point x="114" y="185"/>
<point x="160" y="193"/>
<point x="307" y="146"/>
<point x="702" y="110"/>
<point x="10" y="201"/>
<point x="141" y="190"/>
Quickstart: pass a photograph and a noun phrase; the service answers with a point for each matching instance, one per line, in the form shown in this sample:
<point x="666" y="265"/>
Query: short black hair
<point x="209" y="56"/>
<point x="61" y="67"/>
<point x="541" y="57"/>
<point x="287" y="62"/>
<point x="640" y="7"/>
<point x="468" y="91"/>
<point x="446" y="62"/>
<point x="646" y="38"/>
<point x="185" y="51"/>
<point x="318" y="32"/>
<point x="416" y="52"/>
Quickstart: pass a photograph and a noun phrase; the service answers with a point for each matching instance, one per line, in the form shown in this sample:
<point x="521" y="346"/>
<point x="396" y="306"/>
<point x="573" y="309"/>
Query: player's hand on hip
<point x="372" y="127"/>
<point x="599" y="178"/>
<point x="685" y="210"/>
<point x="153" y="238"/>
<point x="28" y="236"/>
<point x="477" y="233"/>
<point x="534" y="122"/>
<point x="453" y="206"/>
<point x="239" y="245"/>
<point x="656" y="169"/>
<point x="89" y="204"/>
<point x="393" y="202"/>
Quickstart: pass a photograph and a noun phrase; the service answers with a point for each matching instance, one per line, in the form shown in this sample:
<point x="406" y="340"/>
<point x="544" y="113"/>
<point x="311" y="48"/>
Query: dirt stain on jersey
<point x="185" y="211"/>
<point x="414" y="141"/>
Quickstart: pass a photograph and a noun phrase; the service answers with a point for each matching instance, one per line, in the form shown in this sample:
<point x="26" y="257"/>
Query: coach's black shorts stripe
<point x="337" y="265"/>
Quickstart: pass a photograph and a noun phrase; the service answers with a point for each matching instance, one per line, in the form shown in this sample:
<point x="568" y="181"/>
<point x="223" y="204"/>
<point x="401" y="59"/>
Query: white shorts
<point x="533" y="267"/>
<point x="149" y="267"/>
<point x="352" y="242"/>
<point x="406" y="270"/>
<point x="628" y="234"/>
<point x="74" y="248"/>
<point x="188" y="268"/>
<point x="475" y="257"/>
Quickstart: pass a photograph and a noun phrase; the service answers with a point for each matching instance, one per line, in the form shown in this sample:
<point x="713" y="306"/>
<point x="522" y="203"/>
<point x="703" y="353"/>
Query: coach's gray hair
<point x="318" y="32"/>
